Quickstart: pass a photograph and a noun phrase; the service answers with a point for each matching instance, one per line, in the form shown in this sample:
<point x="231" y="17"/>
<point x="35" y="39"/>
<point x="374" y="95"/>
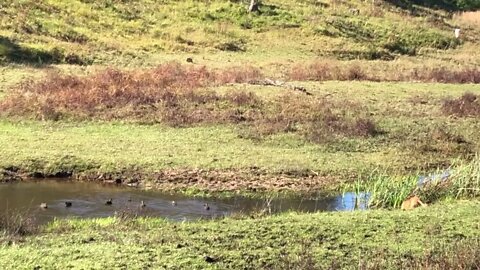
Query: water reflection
<point x="88" y="200"/>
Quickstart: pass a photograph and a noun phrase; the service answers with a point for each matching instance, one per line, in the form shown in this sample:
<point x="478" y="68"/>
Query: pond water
<point x="89" y="200"/>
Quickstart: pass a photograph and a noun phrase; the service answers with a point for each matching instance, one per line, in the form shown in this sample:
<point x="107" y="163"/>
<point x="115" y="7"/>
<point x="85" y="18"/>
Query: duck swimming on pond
<point x="68" y="204"/>
<point x="174" y="203"/>
<point x="206" y="206"/>
<point x="109" y="202"/>
<point x="142" y="204"/>
<point x="44" y="205"/>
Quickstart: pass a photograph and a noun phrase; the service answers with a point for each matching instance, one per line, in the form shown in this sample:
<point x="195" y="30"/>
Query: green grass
<point x="380" y="238"/>
<point x="112" y="147"/>
<point x="460" y="181"/>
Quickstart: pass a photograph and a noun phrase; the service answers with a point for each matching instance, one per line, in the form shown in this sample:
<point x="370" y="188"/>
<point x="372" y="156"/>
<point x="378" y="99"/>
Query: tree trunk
<point x="253" y="6"/>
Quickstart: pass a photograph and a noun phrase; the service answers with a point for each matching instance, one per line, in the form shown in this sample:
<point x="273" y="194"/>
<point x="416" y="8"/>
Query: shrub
<point x="171" y="89"/>
<point x="178" y="96"/>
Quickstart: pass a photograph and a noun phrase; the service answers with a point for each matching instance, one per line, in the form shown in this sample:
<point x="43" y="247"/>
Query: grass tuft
<point x="17" y="224"/>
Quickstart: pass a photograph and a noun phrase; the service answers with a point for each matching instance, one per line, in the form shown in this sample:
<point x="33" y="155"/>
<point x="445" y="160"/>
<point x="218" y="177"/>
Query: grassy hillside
<point x="129" y="32"/>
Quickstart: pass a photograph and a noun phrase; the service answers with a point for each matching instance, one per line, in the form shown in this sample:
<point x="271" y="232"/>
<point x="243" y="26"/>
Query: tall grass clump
<point x="16" y="224"/>
<point x="460" y="181"/>
<point x="466" y="105"/>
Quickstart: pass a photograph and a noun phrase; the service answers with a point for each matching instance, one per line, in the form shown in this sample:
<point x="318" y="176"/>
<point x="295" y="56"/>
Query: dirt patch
<point x="252" y="180"/>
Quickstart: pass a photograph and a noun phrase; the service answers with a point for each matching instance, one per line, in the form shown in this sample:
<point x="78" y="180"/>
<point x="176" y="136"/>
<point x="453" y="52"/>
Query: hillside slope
<point x="116" y="31"/>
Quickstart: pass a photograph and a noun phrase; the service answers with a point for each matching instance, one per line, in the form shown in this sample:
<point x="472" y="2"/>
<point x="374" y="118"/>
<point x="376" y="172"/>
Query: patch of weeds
<point x="17" y="224"/>
<point x="468" y="105"/>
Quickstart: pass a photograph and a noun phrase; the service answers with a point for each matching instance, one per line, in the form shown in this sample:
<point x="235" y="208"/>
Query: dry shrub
<point x="318" y="119"/>
<point x="438" y="142"/>
<point x="178" y="96"/>
<point x="238" y="75"/>
<point x="242" y="98"/>
<point x="447" y="75"/>
<point x="332" y="70"/>
<point x="466" y="105"/>
<point x="328" y="70"/>
<point x="171" y="93"/>
<point x="354" y="73"/>
<point x="339" y="119"/>
<point x="316" y="71"/>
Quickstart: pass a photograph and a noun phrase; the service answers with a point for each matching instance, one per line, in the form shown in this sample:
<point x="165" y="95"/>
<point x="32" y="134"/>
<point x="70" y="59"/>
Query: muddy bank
<point x="253" y="180"/>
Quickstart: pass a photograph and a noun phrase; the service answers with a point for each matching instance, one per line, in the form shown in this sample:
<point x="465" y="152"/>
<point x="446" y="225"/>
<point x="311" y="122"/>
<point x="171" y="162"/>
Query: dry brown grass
<point x="170" y="93"/>
<point x="323" y="70"/>
<point x="468" y="105"/>
<point x="468" y="18"/>
<point x="318" y="119"/>
<point x="17" y="224"/>
<point x="177" y="96"/>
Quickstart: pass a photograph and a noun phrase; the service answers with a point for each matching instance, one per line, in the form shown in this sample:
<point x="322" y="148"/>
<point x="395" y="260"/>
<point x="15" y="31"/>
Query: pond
<point x="88" y="200"/>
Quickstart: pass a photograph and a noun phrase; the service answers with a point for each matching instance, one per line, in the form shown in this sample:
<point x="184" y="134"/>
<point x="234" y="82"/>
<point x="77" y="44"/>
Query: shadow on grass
<point x="10" y="52"/>
<point x="447" y="5"/>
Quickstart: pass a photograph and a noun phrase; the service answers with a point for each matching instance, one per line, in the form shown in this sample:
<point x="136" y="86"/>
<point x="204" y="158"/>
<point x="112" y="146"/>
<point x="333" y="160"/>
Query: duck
<point x="68" y="204"/>
<point x="109" y="202"/>
<point x="206" y="206"/>
<point x="43" y="205"/>
<point x="142" y="204"/>
<point x="174" y="203"/>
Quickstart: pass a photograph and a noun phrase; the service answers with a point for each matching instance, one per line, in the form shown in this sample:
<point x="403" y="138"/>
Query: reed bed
<point x="460" y="181"/>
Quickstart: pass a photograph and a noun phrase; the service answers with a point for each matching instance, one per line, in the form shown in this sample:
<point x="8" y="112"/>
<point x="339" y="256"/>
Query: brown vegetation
<point x="177" y="95"/>
<point x="252" y="179"/>
<point x="466" y="105"/>
<point x="17" y="224"/>
<point x="412" y="202"/>
<point x="468" y="17"/>
<point x="169" y="93"/>
<point x="333" y="70"/>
